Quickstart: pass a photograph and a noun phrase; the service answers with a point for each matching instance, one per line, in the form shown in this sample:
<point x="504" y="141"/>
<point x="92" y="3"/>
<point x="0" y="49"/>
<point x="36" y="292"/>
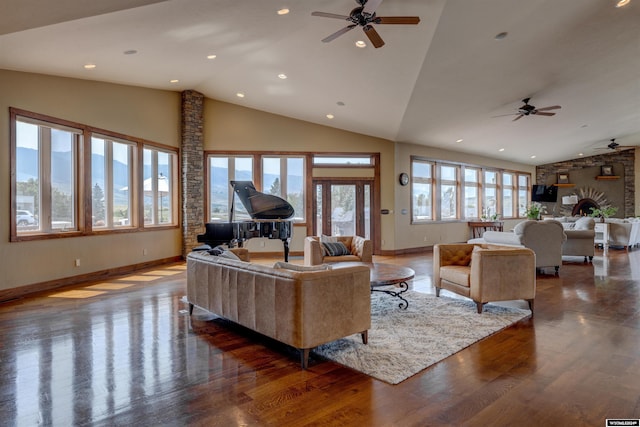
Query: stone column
<point x="192" y="165"/>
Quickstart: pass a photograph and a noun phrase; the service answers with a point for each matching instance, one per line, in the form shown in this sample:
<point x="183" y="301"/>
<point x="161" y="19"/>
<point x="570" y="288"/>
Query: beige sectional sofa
<point x="300" y="308"/>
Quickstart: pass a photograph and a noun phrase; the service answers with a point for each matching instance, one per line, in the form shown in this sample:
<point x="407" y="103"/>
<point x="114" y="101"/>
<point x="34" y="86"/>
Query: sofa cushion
<point x="336" y="248"/>
<point x="458" y="274"/>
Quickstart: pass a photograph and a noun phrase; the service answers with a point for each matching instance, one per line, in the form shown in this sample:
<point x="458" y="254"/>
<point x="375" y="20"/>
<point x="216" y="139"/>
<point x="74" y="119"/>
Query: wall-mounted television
<point x="544" y="193"/>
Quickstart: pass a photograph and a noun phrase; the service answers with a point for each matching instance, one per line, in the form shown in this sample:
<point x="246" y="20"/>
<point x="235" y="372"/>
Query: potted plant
<point x="603" y="213"/>
<point x="535" y="210"/>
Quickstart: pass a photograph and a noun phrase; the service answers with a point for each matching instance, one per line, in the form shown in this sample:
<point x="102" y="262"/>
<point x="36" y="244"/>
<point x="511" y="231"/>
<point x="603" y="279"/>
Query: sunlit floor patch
<point x="79" y="294"/>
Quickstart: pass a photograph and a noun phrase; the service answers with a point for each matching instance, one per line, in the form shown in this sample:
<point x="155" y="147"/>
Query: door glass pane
<point x="343" y="214"/>
<point x="367" y="211"/>
<point x="319" y="210"/>
<point x="98" y="183"/>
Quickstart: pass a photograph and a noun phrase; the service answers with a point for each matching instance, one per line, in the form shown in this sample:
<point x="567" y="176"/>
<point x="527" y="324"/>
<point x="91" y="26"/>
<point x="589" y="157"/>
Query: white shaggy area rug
<point x="404" y="342"/>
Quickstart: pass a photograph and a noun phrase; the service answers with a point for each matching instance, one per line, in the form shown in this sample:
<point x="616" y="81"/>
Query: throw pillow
<point x="296" y="267"/>
<point x="328" y="239"/>
<point x="229" y="255"/>
<point x="217" y="250"/>
<point x="336" y="249"/>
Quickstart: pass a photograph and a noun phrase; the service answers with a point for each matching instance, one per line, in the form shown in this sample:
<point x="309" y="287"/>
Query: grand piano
<point x="270" y="218"/>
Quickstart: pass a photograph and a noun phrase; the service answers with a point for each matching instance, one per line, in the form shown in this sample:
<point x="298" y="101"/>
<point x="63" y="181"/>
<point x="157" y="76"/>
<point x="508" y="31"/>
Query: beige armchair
<point x="581" y="236"/>
<point x="360" y="249"/>
<point x="485" y="273"/>
<point x="545" y="238"/>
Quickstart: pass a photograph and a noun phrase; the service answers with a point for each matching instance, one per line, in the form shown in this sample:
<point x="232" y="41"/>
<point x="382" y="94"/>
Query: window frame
<point x="83" y="183"/>
<point x="481" y="186"/>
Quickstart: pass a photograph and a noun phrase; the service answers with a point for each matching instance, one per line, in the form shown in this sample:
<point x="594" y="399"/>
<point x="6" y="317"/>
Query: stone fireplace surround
<point x="582" y="175"/>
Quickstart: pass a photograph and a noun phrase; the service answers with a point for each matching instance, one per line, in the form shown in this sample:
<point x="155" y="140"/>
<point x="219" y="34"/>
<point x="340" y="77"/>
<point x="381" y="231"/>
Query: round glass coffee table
<point x="384" y="275"/>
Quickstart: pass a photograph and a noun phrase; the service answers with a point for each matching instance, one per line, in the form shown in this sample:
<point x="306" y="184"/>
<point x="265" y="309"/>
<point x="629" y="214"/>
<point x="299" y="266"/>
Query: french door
<point x="343" y="207"/>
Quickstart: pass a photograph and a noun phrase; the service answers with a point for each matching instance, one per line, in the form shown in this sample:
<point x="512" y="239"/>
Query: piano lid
<point x="260" y="205"/>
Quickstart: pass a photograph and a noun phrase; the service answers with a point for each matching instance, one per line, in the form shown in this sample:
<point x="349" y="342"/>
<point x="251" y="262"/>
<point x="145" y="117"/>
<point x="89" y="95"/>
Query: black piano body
<point x="270" y="219"/>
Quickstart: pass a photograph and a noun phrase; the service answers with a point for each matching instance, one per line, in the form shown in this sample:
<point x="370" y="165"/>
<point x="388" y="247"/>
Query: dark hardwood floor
<point x="125" y="352"/>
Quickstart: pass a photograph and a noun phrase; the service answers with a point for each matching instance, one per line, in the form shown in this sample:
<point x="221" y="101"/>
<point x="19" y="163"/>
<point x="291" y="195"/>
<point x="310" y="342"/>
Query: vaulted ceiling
<point x="444" y="80"/>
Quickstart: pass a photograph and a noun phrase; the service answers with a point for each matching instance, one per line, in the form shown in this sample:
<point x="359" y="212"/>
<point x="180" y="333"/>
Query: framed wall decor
<point x="606" y="170"/>
<point x="563" y="178"/>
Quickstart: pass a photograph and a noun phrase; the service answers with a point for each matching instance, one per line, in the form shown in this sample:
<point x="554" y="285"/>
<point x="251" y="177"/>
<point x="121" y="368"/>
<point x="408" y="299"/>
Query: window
<point x="46" y="184"/>
<point x="465" y="192"/>
<point x="490" y="194"/>
<point x="111" y="183"/>
<point x="343" y="160"/>
<point x="422" y="190"/>
<point x="448" y="192"/>
<point x="56" y="192"/>
<point x="285" y="177"/>
<point x="223" y="169"/>
<point x="471" y="193"/>
<point x="508" y="195"/>
<point x="158" y="184"/>
<point x="523" y="194"/>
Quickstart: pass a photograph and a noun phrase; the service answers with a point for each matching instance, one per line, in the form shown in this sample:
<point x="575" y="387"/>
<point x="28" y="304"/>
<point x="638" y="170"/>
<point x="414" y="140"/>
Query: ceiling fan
<point x="613" y="145"/>
<point x="527" y="110"/>
<point x="363" y="16"/>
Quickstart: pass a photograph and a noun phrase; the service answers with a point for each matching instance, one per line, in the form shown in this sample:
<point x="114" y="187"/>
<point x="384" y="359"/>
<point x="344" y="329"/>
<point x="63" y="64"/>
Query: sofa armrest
<point x="502" y="238"/>
<point x="312" y="251"/>
<point x="363" y="248"/>
<point x="580" y="234"/>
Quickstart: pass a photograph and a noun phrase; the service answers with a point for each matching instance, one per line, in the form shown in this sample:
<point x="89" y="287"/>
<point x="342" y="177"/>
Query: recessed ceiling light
<point x="501" y="36"/>
<point x="361" y="44"/>
<point x="90" y="66"/>
<point x="501" y="150"/>
<point x="330" y="116"/>
<point x="340" y="103"/>
<point x="174" y="81"/>
<point x="459" y="140"/>
<point x="283" y="11"/>
<point x="240" y="95"/>
<point x="622" y="3"/>
<point x="533" y="157"/>
<point x="282" y="76"/>
<point x="580" y="154"/>
<point x="130" y="52"/>
<point x="211" y="56"/>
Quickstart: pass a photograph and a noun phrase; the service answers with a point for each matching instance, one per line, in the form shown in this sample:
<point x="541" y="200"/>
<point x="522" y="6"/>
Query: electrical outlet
<point x="144" y="251"/>
<point x="77" y="262"/>
<point x="262" y="244"/>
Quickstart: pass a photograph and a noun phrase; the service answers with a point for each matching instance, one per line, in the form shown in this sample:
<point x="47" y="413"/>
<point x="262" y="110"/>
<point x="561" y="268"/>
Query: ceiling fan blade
<point x="330" y="15"/>
<point x="373" y="35"/>
<point x="370" y="6"/>
<point x="518" y="118"/>
<point x="503" y="115"/>
<point x="338" y="33"/>
<point x="555" y="107"/>
<point x="538" y="113"/>
<point x="403" y="20"/>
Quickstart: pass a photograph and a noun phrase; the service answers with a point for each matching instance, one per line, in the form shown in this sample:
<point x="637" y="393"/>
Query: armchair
<point x="485" y="273"/>
<point x="360" y="249"/>
<point x="545" y="238"/>
<point x="581" y="234"/>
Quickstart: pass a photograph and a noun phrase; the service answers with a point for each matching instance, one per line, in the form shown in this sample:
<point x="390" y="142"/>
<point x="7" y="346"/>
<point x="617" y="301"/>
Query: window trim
<point x="83" y="203"/>
<point x="461" y="184"/>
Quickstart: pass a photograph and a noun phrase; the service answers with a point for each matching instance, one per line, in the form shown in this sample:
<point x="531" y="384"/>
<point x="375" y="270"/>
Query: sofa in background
<point x="545" y="238"/>
<point x="357" y="249"/>
<point x="581" y="235"/>
<point x="623" y="232"/>
<point x="485" y="273"/>
<point x="301" y="307"/>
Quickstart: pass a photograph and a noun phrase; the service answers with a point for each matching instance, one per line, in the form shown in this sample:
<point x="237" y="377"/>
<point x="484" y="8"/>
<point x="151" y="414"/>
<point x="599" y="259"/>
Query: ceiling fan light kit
<point x="364" y="16"/>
